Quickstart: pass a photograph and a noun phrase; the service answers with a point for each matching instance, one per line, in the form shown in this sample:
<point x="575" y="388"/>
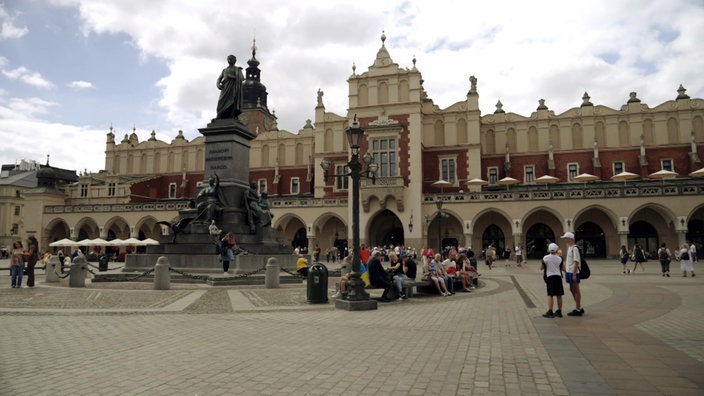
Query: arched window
<point x="673" y="131"/>
<point x="511" y="140"/>
<point x="555" y="136"/>
<point x="281" y="154"/>
<point x="577" y="138"/>
<point x="489" y="142"/>
<point x="265" y="156"/>
<point x="600" y="134"/>
<point x="648" y="135"/>
<point x="532" y="139"/>
<point x="462" y="137"/>
<point x="328" y="140"/>
<point x="363" y="94"/>
<point x="383" y="92"/>
<point x="624" y="132"/>
<point x="439" y="133"/>
<point x="403" y="95"/>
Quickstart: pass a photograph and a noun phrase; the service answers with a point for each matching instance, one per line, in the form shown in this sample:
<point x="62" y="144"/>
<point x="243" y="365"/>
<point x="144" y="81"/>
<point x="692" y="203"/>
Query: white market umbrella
<point x="133" y="242"/>
<point x="623" y="176"/>
<point x="697" y="173"/>
<point x="476" y="182"/>
<point x="97" y="242"/>
<point x="441" y="184"/>
<point x="84" y="242"/>
<point x="63" y="242"/>
<point x="150" y="241"/>
<point x="585" y="177"/>
<point x="507" y="181"/>
<point x="547" y="179"/>
<point x="663" y="174"/>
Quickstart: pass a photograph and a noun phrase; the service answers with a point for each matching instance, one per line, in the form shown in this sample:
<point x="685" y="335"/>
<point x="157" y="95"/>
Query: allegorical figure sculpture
<point x="257" y="216"/>
<point x="208" y="202"/>
<point x="230" y="85"/>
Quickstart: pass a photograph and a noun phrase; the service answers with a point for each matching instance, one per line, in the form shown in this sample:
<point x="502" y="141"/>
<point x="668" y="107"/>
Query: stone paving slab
<point x="201" y="340"/>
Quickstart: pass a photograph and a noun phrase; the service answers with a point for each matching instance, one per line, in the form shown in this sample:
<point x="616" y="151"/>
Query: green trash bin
<point x="103" y="263"/>
<point x="317" y="284"/>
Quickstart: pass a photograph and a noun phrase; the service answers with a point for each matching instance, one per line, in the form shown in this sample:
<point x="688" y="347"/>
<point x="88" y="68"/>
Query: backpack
<point x="663" y="255"/>
<point x="684" y="256"/>
<point x="584" y="271"/>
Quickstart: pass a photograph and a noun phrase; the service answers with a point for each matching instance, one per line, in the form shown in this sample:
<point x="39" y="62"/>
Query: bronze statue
<point x="256" y="215"/>
<point x="208" y="202"/>
<point x="230" y="85"/>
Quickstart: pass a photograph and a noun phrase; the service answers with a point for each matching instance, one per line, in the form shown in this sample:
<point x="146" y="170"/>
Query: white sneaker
<point x="337" y="295"/>
<point x="226" y="274"/>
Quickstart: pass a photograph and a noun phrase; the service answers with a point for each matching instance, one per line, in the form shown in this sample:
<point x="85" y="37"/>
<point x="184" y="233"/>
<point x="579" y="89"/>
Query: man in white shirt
<point x="572" y="273"/>
<point x="693" y="252"/>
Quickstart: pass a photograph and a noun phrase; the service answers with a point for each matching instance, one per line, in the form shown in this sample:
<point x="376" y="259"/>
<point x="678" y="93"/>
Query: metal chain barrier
<point x="121" y="279"/>
<point x="294" y="274"/>
<point x="201" y="277"/>
<point x="62" y="276"/>
<point x="98" y="268"/>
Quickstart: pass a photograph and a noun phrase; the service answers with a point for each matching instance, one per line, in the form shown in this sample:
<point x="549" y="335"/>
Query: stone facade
<point x="417" y="143"/>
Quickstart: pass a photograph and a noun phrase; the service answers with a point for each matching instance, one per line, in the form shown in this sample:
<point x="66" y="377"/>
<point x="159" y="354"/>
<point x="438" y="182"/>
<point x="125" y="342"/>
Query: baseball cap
<point x="552" y="247"/>
<point x="376" y="252"/>
<point x="568" y="235"/>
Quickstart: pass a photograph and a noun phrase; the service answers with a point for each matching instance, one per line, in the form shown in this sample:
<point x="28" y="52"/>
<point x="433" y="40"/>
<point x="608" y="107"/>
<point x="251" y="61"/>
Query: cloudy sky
<point x="70" y="69"/>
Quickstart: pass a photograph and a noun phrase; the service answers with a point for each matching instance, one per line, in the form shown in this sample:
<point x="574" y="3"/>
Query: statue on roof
<point x="230" y="85"/>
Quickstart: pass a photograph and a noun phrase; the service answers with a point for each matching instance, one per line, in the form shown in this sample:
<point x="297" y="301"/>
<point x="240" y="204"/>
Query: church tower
<point x="255" y="113"/>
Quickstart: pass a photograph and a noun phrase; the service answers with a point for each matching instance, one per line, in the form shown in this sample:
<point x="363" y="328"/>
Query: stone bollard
<point x="53" y="267"/>
<point x="162" y="275"/>
<point x="273" y="274"/>
<point x="77" y="278"/>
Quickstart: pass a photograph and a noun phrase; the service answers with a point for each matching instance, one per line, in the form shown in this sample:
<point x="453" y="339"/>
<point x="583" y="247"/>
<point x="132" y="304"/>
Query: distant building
<point x="416" y="143"/>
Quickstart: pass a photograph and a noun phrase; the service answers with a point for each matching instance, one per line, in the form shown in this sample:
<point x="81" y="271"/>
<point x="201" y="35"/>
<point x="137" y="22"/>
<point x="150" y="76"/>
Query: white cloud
<point x="23" y="109"/>
<point x="80" y="84"/>
<point x="8" y="30"/>
<point x="27" y="76"/>
<point x="519" y="51"/>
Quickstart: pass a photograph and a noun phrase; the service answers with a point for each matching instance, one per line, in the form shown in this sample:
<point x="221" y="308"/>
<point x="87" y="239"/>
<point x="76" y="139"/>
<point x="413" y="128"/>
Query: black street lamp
<point x="357" y="298"/>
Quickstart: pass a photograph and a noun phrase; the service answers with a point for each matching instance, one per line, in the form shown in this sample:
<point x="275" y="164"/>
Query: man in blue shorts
<point x="572" y="273"/>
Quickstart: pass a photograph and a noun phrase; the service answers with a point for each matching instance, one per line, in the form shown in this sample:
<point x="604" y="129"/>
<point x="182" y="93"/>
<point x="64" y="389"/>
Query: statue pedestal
<point x="227" y="144"/>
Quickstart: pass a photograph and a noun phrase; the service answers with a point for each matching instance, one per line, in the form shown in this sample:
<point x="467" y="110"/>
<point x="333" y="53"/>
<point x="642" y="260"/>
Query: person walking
<point x="625" y="256"/>
<point x="639" y="256"/>
<point x="227" y="244"/>
<point x="685" y="260"/>
<point x="552" y="265"/>
<point x="693" y="253"/>
<point x="572" y="273"/>
<point x="32" y="256"/>
<point x="16" y="264"/>
<point x="665" y="256"/>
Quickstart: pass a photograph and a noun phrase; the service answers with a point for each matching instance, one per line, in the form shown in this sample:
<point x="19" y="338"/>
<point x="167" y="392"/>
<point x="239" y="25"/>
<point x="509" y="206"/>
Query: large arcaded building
<point x="415" y="143"/>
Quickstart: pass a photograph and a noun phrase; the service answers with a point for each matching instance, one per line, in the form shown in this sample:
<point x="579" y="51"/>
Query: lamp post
<point x="438" y="204"/>
<point x="357" y="298"/>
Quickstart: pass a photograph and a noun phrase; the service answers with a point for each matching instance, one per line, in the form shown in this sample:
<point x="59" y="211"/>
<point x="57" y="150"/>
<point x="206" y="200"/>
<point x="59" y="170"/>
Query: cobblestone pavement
<point x="642" y="334"/>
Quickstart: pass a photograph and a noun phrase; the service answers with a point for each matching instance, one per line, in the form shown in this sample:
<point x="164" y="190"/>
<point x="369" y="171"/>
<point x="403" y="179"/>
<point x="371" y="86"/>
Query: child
<point x="553" y="280"/>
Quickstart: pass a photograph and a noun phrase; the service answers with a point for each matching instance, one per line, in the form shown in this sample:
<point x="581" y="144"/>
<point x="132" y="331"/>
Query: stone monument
<point x="228" y="199"/>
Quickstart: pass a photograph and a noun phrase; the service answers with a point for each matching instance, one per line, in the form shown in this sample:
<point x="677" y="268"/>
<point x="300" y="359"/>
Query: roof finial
<point x="254" y="46"/>
<point x="383" y="37"/>
<point x="47" y="159"/>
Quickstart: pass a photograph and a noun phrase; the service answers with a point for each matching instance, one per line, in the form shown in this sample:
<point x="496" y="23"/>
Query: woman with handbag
<point x="624" y="259"/>
<point x="16" y="264"/>
<point x="639" y="257"/>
